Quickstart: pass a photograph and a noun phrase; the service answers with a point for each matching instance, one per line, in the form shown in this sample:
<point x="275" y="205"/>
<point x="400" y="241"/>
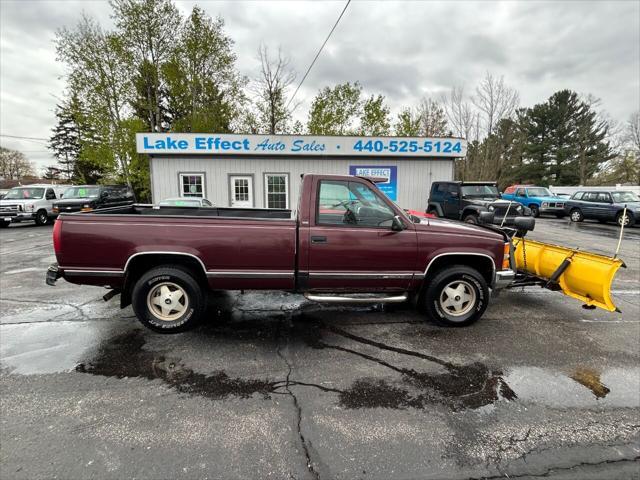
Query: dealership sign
<point x="300" y="145"/>
<point x="390" y="173"/>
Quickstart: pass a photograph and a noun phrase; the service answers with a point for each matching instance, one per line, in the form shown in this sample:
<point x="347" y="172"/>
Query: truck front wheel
<point x="42" y="217"/>
<point x="168" y="299"/>
<point x="457" y="296"/>
<point x="471" y="218"/>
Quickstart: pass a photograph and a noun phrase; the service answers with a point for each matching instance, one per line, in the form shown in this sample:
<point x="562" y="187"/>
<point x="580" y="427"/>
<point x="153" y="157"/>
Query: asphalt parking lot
<point x="274" y="387"/>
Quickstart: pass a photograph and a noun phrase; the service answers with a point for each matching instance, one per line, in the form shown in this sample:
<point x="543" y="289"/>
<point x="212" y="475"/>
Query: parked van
<point x="30" y="203"/>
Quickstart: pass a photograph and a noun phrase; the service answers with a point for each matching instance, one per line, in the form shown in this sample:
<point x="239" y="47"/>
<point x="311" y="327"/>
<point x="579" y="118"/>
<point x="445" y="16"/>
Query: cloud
<point x="402" y="50"/>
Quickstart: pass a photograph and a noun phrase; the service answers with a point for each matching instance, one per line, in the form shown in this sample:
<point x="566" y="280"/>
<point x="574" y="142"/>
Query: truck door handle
<point x="318" y="239"/>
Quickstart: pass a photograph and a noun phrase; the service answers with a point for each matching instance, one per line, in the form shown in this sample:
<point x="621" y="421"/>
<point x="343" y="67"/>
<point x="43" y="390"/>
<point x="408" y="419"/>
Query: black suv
<point x="86" y="198"/>
<point x="466" y="200"/>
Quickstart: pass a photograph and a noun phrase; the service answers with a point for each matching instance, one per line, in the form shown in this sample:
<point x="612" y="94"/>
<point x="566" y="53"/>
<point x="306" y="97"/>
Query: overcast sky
<point x="403" y="50"/>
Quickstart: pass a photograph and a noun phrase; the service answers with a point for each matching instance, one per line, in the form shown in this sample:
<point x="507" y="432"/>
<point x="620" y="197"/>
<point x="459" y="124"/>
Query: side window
<point x="192" y="185"/>
<point x="577" y="195"/>
<point x="521" y="192"/>
<point x="50" y="195"/>
<point x="276" y="190"/>
<point x="452" y="188"/>
<point x="589" y="196"/>
<point x="604" y="197"/>
<point x="352" y="203"/>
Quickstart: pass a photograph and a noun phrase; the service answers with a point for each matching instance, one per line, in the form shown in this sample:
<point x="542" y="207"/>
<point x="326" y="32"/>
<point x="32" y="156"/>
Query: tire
<point x="42" y="217"/>
<point x="535" y="211"/>
<point x="4" y="224"/>
<point x="174" y="287"/>
<point x="433" y="211"/>
<point x="453" y="311"/>
<point x="629" y="220"/>
<point x="576" y="215"/>
<point x="471" y="218"/>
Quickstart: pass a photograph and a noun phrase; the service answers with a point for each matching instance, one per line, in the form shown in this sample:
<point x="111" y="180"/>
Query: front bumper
<point x="53" y="274"/>
<point x="16" y="217"/>
<point x="504" y="278"/>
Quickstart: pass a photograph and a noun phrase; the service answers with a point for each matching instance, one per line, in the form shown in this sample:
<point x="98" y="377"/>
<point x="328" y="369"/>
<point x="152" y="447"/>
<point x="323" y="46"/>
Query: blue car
<point x="604" y="206"/>
<point x="539" y="199"/>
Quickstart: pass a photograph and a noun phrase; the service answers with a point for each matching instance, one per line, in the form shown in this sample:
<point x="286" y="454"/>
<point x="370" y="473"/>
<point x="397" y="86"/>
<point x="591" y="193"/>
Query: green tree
<point x="148" y="29"/>
<point x="65" y="139"/>
<point x="335" y="110"/>
<point x="204" y="89"/>
<point x="98" y="67"/>
<point x="408" y="123"/>
<point x="375" y="117"/>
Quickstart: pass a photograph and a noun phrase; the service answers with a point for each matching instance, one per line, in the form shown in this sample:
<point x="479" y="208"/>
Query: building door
<point x="241" y="187"/>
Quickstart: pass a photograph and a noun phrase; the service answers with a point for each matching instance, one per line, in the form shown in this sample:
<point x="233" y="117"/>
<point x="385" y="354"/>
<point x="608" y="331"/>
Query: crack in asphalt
<point x="305" y="448"/>
<point x="551" y="470"/>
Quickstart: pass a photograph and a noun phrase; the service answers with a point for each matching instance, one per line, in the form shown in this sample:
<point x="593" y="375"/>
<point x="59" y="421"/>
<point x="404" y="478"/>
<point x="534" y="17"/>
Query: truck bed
<point x="144" y="209"/>
<point x="236" y="248"/>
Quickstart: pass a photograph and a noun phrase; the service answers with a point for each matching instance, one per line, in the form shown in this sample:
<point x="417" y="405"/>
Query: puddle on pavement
<point x="590" y="379"/>
<point x="123" y="356"/>
<point x="48" y="348"/>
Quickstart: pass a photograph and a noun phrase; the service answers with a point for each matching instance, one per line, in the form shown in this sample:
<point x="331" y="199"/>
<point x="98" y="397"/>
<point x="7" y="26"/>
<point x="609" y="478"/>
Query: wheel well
<point x="534" y="205"/>
<point x="470" y="211"/>
<point x="482" y="264"/>
<point x="139" y="264"/>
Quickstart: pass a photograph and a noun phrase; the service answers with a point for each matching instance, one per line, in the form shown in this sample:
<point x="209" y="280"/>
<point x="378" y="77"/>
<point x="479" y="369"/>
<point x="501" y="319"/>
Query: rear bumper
<point x="53" y="274"/>
<point x="504" y="278"/>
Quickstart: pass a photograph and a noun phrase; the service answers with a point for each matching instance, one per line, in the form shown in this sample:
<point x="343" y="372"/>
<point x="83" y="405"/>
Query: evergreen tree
<point x="65" y="140"/>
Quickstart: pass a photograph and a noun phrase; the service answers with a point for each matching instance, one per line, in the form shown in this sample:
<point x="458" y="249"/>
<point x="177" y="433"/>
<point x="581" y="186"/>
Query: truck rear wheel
<point x="168" y="299"/>
<point x="457" y="296"/>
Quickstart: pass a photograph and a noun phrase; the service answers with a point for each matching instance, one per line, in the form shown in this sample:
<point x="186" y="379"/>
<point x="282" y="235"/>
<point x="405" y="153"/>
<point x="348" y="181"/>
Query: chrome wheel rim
<point x="43" y="218"/>
<point x="458" y="298"/>
<point x="167" y="301"/>
<point x="575" y="216"/>
<point x="626" y="220"/>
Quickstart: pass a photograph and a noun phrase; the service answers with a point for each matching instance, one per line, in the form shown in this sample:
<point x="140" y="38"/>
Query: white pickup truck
<point x="30" y="202"/>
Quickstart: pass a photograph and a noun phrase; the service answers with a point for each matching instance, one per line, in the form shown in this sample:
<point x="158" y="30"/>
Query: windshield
<point x="179" y="202"/>
<point x="479" y="191"/>
<point x="81" y="192"/>
<point x="621" y="197"/>
<point x="24" y="194"/>
<point x="539" y="192"/>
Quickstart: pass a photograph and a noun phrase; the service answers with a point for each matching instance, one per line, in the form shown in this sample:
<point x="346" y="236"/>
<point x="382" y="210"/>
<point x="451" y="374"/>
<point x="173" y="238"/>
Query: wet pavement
<point x="271" y="386"/>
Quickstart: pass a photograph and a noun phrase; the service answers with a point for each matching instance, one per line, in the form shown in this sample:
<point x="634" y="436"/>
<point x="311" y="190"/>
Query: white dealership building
<point x="263" y="171"/>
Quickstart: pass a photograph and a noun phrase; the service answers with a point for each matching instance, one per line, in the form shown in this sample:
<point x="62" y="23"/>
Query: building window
<point x="276" y="188"/>
<point x="192" y="185"/>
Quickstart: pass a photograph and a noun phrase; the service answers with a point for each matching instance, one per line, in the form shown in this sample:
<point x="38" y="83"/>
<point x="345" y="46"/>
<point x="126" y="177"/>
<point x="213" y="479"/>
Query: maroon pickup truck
<point x="348" y="243"/>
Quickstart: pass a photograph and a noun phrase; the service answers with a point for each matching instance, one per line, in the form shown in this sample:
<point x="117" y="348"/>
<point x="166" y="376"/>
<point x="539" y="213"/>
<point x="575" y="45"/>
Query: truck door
<point x="451" y="204"/>
<point x="351" y="242"/>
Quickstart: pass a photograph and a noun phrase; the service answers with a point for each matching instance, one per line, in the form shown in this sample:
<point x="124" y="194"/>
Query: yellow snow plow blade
<point x="584" y="276"/>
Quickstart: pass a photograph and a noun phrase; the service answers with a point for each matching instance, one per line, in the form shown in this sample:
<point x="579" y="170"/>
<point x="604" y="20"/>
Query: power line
<point x="318" y="54"/>
<point x="37" y="139"/>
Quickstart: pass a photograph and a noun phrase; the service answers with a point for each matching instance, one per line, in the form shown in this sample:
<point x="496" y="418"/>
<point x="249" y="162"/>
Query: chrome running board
<point x="356" y="298"/>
